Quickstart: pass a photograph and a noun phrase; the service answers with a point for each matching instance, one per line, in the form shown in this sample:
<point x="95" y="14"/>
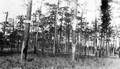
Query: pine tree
<point x="105" y="9"/>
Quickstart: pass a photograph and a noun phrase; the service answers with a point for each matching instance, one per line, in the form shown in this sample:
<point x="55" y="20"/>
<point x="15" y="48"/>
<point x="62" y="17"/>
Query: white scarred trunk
<point x="74" y="30"/>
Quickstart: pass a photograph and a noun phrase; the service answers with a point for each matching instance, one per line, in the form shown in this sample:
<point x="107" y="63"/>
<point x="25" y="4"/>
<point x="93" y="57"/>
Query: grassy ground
<point x="61" y="61"/>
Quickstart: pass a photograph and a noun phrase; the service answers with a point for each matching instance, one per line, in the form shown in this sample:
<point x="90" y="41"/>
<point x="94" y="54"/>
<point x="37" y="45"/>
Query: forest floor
<point x="61" y="61"/>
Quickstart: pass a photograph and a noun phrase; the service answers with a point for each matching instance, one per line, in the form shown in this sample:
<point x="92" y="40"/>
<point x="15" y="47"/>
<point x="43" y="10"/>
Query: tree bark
<point x="65" y="42"/>
<point x="55" y="24"/>
<point x="85" y="47"/>
<point x="74" y="31"/>
<point x="73" y="45"/>
<point x="26" y="32"/>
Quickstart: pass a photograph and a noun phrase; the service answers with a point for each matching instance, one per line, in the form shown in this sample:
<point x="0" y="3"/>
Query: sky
<point x="17" y="7"/>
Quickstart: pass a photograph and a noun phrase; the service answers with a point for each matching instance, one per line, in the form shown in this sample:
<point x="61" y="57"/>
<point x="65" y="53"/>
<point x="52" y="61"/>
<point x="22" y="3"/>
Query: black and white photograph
<point x="59" y="34"/>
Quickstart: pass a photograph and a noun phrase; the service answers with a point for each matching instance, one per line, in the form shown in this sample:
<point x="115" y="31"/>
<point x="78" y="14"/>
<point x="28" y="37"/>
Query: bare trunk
<point x="113" y="47"/>
<point x="104" y="43"/>
<point x="93" y="49"/>
<point x="96" y="52"/>
<point x="68" y="43"/>
<point x="101" y="51"/>
<point x="88" y="46"/>
<point x="26" y="32"/>
<point x="55" y="28"/>
<point x="85" y="48"/>
<point x="79" y="43"/>
<point x="61" y="31"/>
<point x="26" y="40"/>
<point x="107" y="52"/>
<point x="73" y="45"/>
<point x="57" y="41"/>
<point x="74" y="31"/>
<point x="65" y="43"/>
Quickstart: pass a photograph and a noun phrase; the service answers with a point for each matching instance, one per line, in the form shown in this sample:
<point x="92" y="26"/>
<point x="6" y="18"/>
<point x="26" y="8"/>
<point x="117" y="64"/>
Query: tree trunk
<point x="73" y="45"/>
<point x="36" y="38"/>
<point x="113" y="47"/>
<point x="68" y="41"/>
<point x="61" y="31"/>
<point x="57" y="42"/>
<point x="36" y="42"/>
<point x="104" y="43"/>
<point x="43" y="44"/>
<point x="85" y="48"/>
<point x="74" y="30"/>
<point x="108" y="47"/>
<point x="26" y="40"/>
<point x="93" y="49"/>
<point x="65" y="43"/>
<point x="1" y="44"/>
<point x="55" y="24"/>
<point x="101" y="51"/>
<point x="79" y="42"/>
<point x="26" y="32"/>
<point x="96" y="53"/>
<point x="107" y="51"/>
<point x="43" y="41"/>
<point x="88" y="46"/>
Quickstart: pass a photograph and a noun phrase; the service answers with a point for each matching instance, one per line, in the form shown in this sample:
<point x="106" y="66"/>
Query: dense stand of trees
<point x="72" y="35"/>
